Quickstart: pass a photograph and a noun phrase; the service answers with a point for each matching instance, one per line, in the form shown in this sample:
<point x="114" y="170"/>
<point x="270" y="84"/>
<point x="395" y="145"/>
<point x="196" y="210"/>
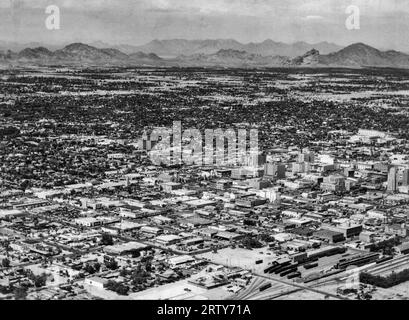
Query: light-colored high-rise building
<point x="392" y="180"/>
<point x="405" y="177"/>
<point x="275" y="170"/>
<point x="306" y="156"/>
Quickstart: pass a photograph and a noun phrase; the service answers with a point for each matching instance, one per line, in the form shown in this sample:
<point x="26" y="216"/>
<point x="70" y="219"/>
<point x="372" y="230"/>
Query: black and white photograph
<point x="204" y="150"/>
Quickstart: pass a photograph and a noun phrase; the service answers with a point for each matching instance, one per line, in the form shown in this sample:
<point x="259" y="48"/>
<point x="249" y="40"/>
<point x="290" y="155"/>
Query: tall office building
<point x="256" y="160"/>
<point x="405" y="177"/>
<point x="299" y="167"/>
<point x="146" y="143"/>
<point x="274" y="170"/>
<point x="392" y="180"/>
<point x="306" y="156"/>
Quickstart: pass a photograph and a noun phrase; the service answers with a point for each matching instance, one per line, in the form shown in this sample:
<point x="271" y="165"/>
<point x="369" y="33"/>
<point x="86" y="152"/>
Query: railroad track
<point x="293" y="284"/>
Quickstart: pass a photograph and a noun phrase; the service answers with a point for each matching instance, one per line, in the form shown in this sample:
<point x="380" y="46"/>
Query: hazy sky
<point x="383" y="23"/>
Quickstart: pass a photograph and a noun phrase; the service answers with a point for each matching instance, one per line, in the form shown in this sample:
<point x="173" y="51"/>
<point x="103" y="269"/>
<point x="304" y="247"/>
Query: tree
<point x="92" y="268"/>
<point x="5" y="263"/>
<point x="6" y="246"/>
<point x="136" y="254"/>
<point x="6" y="289"/>
<point x="250" y="243"/>
<point x="20" y="293"/>
<point x="249" y="222"/>
<point x="148" y="266"/>
<point x="111" y="264"/>
<point x="266" y="237"/>
<point x="117" y="287"/>
<point x="97" y="266"/>
<point x="24" y="185"/>
<point x="107" y="239"/>
<point x="40" y="280"/>
<point x="139" y="276"/>
<point x="124" y="272"/>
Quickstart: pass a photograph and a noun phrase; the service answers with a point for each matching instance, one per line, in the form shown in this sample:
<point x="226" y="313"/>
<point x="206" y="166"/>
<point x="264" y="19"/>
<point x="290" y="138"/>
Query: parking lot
<point x="242" y="258"/>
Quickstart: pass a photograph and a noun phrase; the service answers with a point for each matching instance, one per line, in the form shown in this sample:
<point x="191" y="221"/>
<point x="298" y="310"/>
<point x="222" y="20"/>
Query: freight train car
<point x="358" y="261"/>
<point x="293" y="275"/>
<point x="265" y="286"/>
<point x="288" y="271"/>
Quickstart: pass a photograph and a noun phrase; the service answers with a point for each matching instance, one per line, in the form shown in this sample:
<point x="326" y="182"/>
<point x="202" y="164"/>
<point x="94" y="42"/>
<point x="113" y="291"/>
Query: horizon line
<point x="110" y="45"/>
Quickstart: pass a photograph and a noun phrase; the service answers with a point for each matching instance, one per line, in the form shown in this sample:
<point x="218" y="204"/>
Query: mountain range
<point x="177" y="47"/>
<point x="355" y="55"/>
<point x="77" y="53"/>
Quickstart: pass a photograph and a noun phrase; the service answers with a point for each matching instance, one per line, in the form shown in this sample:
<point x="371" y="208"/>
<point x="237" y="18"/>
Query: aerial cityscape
<point x="203" y="169"/>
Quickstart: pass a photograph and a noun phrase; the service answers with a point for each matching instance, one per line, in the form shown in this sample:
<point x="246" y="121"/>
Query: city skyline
<point x="200" y="176"/>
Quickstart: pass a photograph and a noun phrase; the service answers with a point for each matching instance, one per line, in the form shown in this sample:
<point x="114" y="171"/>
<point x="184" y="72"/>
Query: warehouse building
<point x="329" y="235"/>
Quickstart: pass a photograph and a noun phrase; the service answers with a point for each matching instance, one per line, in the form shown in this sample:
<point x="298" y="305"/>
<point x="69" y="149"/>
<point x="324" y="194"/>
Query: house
<point x="396" y="229"/>
<point x="151" y="230"/>
<point x="226" y="235"/>
<point x="96" y="282"/>
<point x="88" y="222"/>
<point x="170" y="186"/>
<point x="329" y="235"/>
<point x="403" y="248"/>
<point x="206" y="232"/>
<point x="180" y="260"/>
<point x="168" y="239"/>
<point x="6" y="214"/>
<point x="126" y="248"/>
<point x="200" y="203"/>
<point x="195" y="222"/>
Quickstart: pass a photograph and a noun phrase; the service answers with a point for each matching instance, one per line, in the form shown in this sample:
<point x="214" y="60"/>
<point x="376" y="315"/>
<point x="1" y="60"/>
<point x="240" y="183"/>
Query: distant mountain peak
<point x="226" y="52"/>
<point x="268" y="41"/>
<point x="360" y="55"/>
<point x="142" y="55"/>
<point x="311" y="57"/>
<point x="35" y="53"/>
<point x="360" y="46"/>
<point x="312" y="52"/>
<point x="78" y="45"/>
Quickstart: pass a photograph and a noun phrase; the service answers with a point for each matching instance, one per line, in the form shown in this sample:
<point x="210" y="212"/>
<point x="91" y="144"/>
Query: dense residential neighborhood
<point x="86" y="214"/>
